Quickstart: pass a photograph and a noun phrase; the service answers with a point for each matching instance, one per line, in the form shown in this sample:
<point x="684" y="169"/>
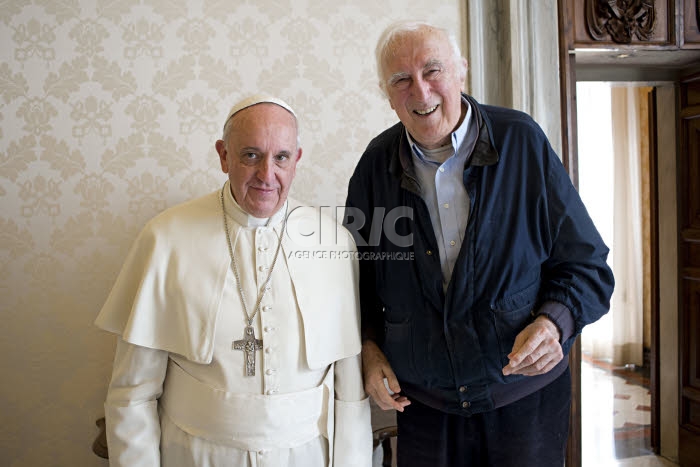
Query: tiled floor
<point x="645" y="461"/>
<point x="615" y="417"/>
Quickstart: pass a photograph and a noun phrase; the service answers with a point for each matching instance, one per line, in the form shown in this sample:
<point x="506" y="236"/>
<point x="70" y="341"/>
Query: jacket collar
<point x="484" y="153"/>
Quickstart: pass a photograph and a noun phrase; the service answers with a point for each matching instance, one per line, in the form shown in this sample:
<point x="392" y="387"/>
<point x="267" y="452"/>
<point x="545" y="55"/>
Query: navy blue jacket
<point x="529" y="241"/>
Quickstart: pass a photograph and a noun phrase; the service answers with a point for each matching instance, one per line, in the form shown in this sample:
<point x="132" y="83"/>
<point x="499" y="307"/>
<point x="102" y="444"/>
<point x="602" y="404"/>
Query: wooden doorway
<point x="568" y="68"/>
<point x="617" y="171"/>
<point x="646" y="312"/>
<point x="689" y="265"/>
<point x="684" y="307"/>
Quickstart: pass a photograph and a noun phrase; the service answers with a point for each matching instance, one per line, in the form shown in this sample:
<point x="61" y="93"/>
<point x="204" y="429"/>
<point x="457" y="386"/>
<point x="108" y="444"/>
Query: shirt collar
<point x="456" y="138"/>
<point x="241" y="217"/>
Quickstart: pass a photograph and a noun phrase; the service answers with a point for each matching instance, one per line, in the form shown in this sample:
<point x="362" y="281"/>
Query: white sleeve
<point x="131" y="408"/>
<point x="353" y="431"/>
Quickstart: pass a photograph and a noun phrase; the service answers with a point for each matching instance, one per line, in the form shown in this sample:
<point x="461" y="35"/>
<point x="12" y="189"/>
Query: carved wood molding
<point x="621" y="19"/>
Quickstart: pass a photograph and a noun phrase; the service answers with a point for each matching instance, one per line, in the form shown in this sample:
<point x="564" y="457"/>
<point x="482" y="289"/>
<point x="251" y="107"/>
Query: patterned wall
<point x="109" y="110"/>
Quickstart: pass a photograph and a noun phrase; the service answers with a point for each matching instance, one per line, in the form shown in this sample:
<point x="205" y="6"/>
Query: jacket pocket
<point x="511" y="314"/>
<point x="398" y="349"/>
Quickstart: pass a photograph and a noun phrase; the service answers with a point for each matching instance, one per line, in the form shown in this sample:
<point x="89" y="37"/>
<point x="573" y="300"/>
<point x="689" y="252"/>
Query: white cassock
<point x="179" y="395"/>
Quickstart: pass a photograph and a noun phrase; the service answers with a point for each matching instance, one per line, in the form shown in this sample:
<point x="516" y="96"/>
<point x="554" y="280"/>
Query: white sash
<point x="249" y="422"/>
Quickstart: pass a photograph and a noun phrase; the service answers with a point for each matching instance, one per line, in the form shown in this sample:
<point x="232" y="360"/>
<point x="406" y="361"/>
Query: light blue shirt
<point x="440" y="173"/>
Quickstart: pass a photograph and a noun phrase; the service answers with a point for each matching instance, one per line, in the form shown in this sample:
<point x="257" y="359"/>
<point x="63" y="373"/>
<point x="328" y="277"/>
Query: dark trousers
<point x="529" y="432"/>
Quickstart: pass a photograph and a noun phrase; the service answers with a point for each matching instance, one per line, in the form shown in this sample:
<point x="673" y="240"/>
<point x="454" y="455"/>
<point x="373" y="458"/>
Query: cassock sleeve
<point x="131" y="408"/>
<point x="353" y="431"/>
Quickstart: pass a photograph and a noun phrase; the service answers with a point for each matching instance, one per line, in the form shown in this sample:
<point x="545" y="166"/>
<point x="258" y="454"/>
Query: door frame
<point x="567" y="87"/>
<point x="567" y="78"/>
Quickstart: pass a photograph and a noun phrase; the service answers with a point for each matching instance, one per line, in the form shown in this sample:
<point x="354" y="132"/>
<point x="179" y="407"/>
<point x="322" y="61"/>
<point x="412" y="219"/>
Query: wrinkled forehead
<point x="424" y="44"/>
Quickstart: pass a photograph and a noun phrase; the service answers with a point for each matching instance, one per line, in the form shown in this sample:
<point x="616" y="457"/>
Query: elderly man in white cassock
<point x="238" y="321"/>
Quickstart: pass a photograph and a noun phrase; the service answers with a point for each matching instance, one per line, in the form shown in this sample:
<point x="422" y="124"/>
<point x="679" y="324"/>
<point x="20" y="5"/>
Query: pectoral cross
<point x="249" y="344"/>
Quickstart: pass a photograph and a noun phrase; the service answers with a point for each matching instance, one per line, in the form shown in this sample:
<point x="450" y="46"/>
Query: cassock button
<point x="429" y="252"/>
<point x="267" y="308"/>
<point x="452" y="243"/>
<point x="465" y="405"/>
<point x="462" y="389"/>
<point x="269" y="371"/>
<point x="268" y="328"/>
<point x="267" y="350"/>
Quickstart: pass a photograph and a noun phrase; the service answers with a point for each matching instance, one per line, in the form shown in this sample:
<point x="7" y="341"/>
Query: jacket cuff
<point x="353" y="434"/>
<point x="561" y="316"/>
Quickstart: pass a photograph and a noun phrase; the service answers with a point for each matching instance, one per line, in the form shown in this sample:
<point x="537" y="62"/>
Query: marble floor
<point x="645" y="461"/>
<point x="615" y="416"/>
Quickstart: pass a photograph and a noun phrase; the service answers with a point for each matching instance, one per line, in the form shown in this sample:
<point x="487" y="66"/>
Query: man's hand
<point x="536" y="349"/>
<point x="375" y="368"/>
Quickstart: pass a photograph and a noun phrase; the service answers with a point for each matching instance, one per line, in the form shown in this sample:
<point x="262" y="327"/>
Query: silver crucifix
<point x="249" y="344"/>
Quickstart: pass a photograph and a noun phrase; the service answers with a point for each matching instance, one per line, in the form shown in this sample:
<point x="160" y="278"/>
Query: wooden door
<point x="689" y="277"/>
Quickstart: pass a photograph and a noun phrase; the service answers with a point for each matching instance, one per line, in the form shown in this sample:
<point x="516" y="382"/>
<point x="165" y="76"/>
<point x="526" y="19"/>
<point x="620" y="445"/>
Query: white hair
<point x="401" y="28"/>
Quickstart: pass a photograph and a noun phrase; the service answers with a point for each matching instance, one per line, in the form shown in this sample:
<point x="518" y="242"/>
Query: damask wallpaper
<point x="109" y="110"/>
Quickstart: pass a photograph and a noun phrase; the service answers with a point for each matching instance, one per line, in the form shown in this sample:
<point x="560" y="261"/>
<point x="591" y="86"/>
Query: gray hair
<point x="400" y="28"/>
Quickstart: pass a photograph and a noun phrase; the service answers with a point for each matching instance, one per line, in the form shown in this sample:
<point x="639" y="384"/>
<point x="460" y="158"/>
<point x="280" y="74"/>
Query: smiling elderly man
<point x="471" y="336"/>
<point x="235" y="349"/>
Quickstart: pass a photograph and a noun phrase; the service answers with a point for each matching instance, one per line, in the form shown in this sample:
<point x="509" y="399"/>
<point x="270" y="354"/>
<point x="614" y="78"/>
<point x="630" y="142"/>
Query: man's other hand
<point x="376" y="368"/>
<point x="536" y="349"/>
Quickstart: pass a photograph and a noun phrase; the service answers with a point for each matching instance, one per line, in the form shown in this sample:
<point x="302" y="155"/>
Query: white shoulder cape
<point x="168" y="293"/>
